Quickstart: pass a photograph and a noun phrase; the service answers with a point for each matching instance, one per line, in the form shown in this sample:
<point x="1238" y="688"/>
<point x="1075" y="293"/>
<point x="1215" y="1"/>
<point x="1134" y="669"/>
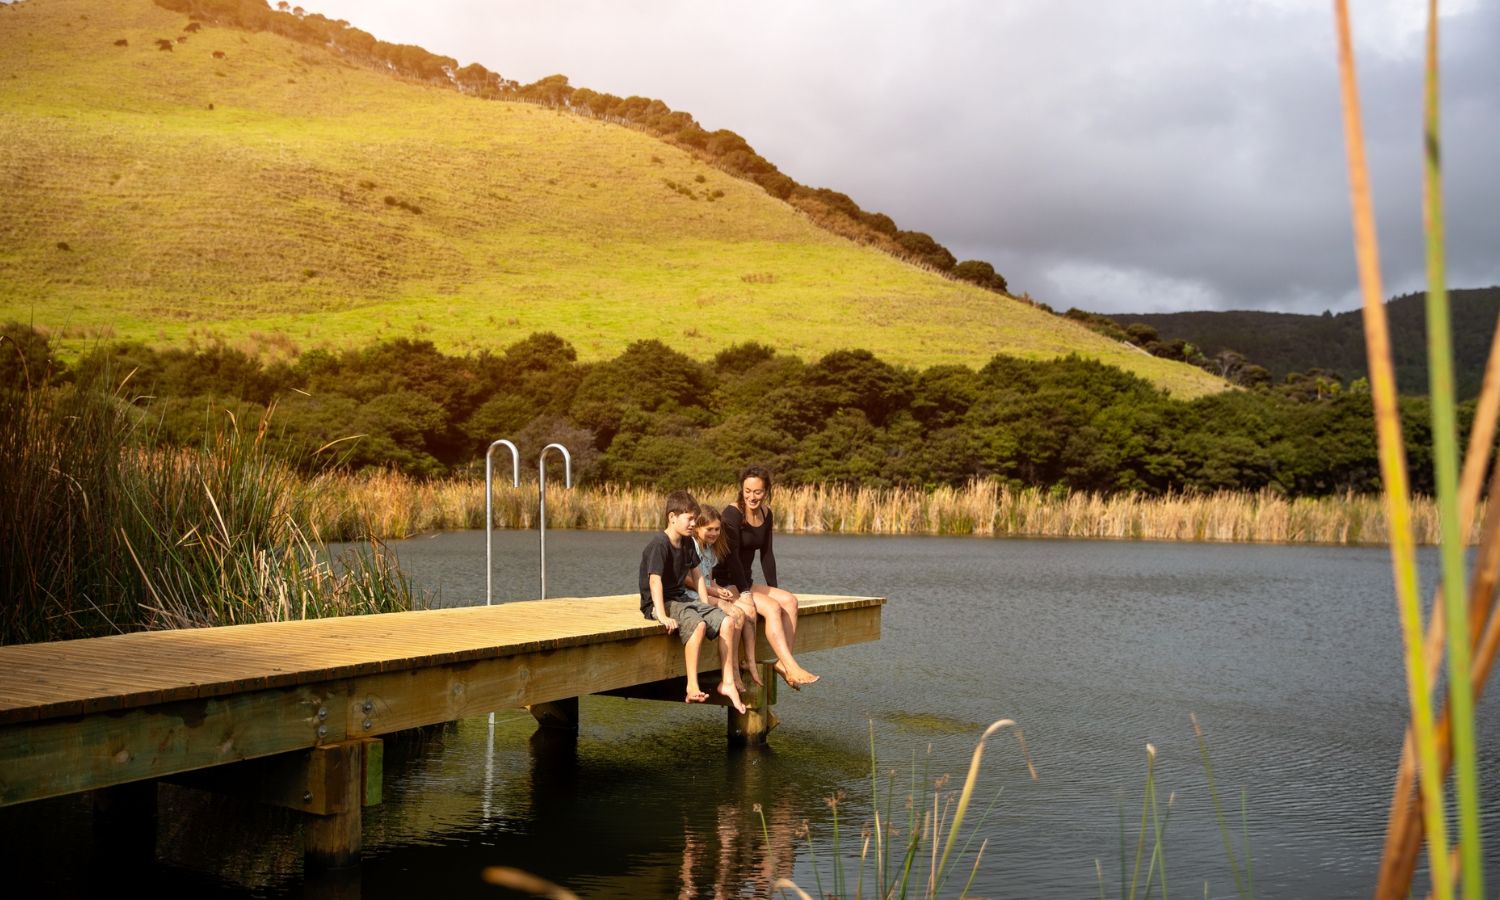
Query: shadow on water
<point x="661" y="813"/>
<point x="664" y="811"/>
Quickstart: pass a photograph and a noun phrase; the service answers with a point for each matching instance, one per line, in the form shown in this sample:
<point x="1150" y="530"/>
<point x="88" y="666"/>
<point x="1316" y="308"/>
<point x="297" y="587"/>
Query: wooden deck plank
<point x="50" y="753"/>
<point x="131" y="670"/>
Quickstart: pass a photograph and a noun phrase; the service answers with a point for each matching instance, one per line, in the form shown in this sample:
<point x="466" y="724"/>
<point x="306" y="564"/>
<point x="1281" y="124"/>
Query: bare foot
<point x="739" y="683"/>
<point x="786" y="675"/>
<point x="731" y="694"/>
<point x="805" y="677"/>
<point x="754" y="673"/>
<point x="694" y="695"/>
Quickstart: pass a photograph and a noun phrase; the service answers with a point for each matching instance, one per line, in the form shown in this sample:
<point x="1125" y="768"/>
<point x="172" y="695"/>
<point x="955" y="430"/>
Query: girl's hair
<point x="753" y="471"/>
<point x="707" y="515"/>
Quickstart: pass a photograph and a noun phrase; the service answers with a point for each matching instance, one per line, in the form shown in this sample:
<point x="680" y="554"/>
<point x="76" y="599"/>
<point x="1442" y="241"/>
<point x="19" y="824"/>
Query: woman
<point x="748" y="527"/>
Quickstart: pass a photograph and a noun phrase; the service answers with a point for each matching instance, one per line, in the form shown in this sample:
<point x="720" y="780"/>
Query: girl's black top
<point x="744" y="540"/>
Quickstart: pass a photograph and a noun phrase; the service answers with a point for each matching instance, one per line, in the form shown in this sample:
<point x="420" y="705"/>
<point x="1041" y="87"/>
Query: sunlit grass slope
<point x="244" y="187"/>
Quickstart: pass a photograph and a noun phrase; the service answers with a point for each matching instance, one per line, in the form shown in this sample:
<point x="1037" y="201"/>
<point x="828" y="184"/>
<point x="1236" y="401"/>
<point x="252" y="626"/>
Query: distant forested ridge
<point x="729" y="151"/>
<point x="1284" y="343"/>
<point x="653" y="416"/>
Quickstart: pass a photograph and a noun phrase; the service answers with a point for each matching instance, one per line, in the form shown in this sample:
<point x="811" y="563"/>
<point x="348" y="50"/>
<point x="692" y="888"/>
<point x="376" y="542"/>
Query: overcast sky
<point x="1123" y="156"/>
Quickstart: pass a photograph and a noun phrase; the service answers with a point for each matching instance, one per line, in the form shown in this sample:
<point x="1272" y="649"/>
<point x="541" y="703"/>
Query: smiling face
<point x="753" y="490"/>
<point x="708" y="532"/>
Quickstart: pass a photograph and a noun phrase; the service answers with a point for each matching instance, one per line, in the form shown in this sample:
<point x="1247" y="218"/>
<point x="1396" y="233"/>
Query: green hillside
<point x="1288" y="342"/>
<point x="242" y="187"/>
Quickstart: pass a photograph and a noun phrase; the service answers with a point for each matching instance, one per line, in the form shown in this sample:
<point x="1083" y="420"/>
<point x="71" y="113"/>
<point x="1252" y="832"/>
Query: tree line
<point x="723" y="148"/>
<point x="655" y="416"/>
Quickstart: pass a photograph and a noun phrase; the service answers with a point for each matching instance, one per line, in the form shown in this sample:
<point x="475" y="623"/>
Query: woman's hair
<point x="707" y="515"/>
<point x="752" y="471"/>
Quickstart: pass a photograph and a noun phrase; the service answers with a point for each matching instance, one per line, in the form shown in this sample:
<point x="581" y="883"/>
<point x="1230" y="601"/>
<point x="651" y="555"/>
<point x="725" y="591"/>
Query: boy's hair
<point x="708" y="516"/>
<point x="681" y="502"/>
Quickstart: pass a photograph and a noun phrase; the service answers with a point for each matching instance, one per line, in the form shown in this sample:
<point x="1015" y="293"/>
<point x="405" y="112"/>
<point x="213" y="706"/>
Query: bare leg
<point x="737" y="619"/>
<point x="729" y="637"/>
<point x="690" y="654"/>
<point x="783" y="604"/>
<point x="747" y="656"/>
<point x="788" y="603"/>
<point x="786" y="665"/>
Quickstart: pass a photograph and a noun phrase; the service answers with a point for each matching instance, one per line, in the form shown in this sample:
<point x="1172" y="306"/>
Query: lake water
<point x="1289" y="657"/>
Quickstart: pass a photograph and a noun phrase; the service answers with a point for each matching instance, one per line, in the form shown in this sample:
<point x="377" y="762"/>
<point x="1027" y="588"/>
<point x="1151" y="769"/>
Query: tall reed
<point x="1430" y="739"/>
<point x="931" y="849"/>
<point x="918" y="859"/>
<point x="101" y="532"/>
<point x="62" y="487"/>
<point x="391" y="505"/>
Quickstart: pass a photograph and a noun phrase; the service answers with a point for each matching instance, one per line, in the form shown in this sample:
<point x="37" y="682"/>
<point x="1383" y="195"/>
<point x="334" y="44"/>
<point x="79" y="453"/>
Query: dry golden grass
<point x="390" y="505"/>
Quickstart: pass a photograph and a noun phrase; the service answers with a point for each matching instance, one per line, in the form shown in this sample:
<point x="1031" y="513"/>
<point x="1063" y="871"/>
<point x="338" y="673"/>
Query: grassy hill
<point x="246" y="188"/>
<point x="1288" y="342"/>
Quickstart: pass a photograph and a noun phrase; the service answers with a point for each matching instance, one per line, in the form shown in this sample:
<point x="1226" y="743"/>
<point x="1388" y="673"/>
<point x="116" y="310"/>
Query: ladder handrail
<point x="541" y="484"/>
<point x="489" y="516"/>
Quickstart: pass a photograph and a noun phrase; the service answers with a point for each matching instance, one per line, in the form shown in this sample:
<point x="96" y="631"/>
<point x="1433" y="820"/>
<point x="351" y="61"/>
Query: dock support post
<point x="750" y="728"/>
<point x="561" y="714"/>
<point x="331" y="837"/>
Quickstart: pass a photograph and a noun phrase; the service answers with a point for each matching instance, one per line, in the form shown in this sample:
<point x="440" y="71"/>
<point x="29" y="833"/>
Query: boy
<point x="668" y="560"/>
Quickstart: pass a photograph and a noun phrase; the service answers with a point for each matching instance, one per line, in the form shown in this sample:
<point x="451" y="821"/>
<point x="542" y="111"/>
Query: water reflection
<point x="606" y="813"/>
<point x="1290" y="657"/>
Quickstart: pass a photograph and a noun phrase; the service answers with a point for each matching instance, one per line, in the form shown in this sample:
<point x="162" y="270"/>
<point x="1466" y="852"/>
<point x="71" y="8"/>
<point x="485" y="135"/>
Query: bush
<point x="402" y="204"/>
<point x="980" y="273"/>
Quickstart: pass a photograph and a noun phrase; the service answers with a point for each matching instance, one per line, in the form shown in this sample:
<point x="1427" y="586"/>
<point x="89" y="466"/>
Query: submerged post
<point x="335" y="776"/>
<point x="489" y="515"/>
<point x="541" y="486"/>
<point x="751" y="727"/>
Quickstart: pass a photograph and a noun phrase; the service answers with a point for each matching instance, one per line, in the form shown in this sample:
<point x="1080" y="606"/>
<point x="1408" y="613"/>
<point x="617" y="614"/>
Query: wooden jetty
<point x="292" y="712"/>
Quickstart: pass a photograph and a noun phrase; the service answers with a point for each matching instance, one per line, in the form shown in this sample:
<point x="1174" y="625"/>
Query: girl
<point x="708" y="534"/>
<point x="747" y="525"/>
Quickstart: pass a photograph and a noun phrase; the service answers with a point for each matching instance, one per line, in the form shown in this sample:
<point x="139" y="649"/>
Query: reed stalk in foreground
<point x="1445" y="453"/>
<point x="1424" y="733"/>
<point x="927" y="830"/>
<point x="1392" y="455"/>
<point x="1243" y="886"/>
<point x="1404" y="835"/>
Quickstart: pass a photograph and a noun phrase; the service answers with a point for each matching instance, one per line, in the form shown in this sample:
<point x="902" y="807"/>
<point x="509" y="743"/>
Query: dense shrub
<point x="656" y="415"/>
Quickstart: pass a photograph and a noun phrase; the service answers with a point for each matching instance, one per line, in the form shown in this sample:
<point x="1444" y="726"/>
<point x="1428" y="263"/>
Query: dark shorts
<point x="690" y="614"/>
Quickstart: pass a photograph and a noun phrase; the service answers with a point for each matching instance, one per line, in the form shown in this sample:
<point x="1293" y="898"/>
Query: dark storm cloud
<point x="1112" y="156"/>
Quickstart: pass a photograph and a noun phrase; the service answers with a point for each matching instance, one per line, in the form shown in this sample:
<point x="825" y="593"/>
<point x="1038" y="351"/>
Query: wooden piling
<point x="331" y="836"/>
<point x="751" y="727"/>
<point x="561" y="714"/>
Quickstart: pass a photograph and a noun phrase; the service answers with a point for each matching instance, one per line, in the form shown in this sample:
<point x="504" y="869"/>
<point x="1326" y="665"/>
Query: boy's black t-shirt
<point x="671" y="563"/>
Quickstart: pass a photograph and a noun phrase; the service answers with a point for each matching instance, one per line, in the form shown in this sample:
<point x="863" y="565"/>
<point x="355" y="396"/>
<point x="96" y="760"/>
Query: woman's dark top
<point x="744" y="540"/>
